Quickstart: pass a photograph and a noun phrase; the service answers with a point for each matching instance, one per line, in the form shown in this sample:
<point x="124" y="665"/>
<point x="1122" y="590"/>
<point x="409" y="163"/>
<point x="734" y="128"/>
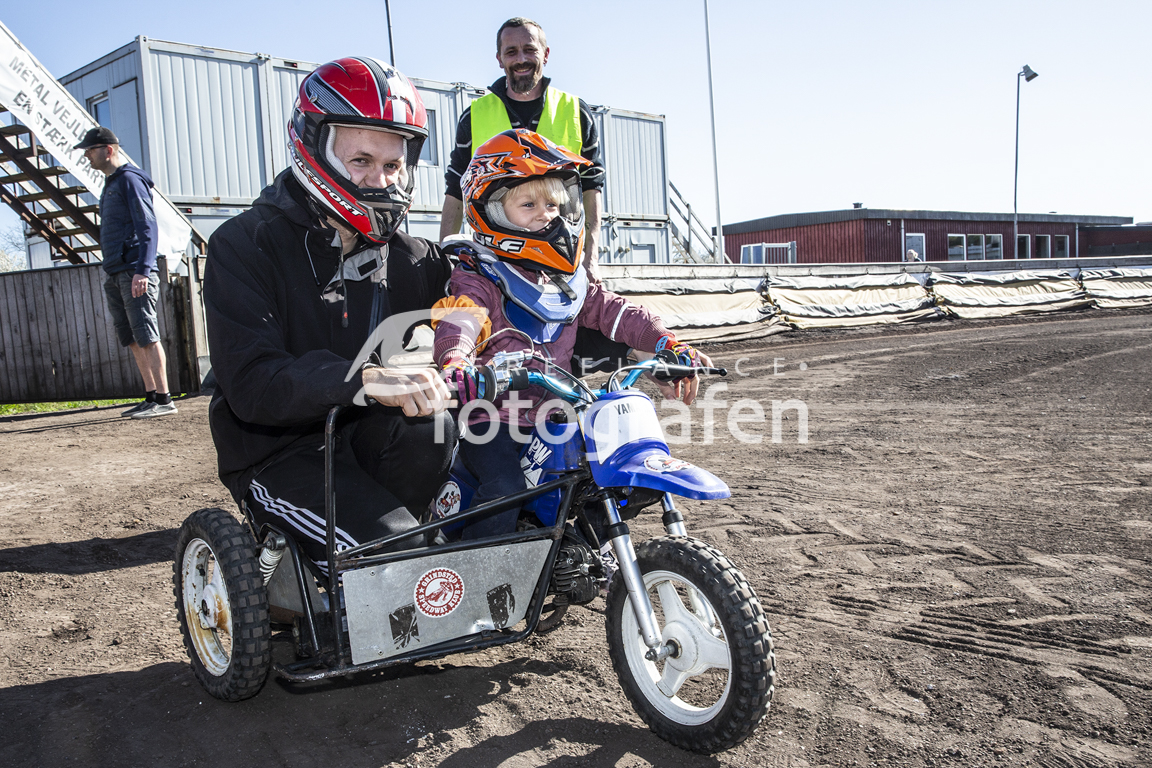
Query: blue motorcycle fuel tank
<point x="626" y="448"/>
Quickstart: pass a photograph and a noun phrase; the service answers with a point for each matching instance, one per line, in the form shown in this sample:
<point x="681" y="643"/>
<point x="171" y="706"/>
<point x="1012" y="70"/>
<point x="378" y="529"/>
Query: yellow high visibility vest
<point x="560" y="120"/>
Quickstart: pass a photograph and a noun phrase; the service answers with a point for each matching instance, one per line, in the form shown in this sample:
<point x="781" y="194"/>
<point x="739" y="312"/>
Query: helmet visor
<point x="561" y="189"/>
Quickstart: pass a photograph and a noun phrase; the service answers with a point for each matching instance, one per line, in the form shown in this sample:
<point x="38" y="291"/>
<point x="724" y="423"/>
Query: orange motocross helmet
<point x="504" y="162"/>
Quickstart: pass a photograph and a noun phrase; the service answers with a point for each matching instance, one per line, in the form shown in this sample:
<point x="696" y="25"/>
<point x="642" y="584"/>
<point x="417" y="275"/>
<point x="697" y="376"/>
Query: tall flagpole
<point x="718" y="238"/>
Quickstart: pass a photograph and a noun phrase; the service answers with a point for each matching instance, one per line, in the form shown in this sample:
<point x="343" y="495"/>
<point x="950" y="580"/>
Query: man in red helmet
<point x="295" y="290"/>
<point x="524" y="98"/>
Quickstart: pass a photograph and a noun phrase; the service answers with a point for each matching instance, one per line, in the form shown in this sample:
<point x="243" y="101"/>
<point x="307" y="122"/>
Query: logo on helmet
<point x="319" y="182"/>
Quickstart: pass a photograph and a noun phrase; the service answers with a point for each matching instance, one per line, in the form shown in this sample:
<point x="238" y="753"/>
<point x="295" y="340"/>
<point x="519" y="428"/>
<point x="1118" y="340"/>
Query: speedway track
<point x="956" y="567"/>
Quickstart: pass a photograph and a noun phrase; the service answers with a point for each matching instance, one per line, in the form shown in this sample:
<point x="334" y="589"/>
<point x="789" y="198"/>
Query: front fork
<point x="617" y="533"/>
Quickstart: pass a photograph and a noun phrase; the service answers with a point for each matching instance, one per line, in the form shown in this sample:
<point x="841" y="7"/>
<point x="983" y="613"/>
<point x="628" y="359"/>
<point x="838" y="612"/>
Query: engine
<point x="577" y="568"/>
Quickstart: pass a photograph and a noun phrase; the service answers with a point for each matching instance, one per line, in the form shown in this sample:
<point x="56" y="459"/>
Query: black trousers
<point x="387" y="469"/>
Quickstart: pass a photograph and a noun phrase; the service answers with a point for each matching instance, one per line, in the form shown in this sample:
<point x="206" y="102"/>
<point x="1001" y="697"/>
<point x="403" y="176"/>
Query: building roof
<point x="786" y="220"/>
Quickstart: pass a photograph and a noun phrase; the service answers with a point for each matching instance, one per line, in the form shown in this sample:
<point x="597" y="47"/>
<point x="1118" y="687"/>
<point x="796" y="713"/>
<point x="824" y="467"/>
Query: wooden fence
<point x="57" y="342"/>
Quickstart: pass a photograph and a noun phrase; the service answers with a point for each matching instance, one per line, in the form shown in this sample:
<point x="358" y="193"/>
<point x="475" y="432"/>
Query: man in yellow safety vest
<point x="523" y="98"/>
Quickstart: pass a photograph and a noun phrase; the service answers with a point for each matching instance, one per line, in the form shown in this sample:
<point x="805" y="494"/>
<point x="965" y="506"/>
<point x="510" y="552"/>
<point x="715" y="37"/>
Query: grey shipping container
<point x="209" y="126"/>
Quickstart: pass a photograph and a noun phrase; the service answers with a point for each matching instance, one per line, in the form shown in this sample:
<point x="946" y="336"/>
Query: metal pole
<point x="391" y="49"/>
<point x="1016" y="176"/>
<point x="718" y="240"/>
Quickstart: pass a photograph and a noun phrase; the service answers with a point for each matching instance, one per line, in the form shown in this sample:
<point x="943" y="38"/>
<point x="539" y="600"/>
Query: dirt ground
<point x="955" y="566"/>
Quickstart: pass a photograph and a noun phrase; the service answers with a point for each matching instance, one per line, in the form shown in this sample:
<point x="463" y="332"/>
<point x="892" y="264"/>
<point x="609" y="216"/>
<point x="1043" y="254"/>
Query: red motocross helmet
<point x="361" y="93"/>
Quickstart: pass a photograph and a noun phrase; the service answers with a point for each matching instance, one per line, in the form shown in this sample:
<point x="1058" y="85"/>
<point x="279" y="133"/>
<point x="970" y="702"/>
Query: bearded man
<point x="524" y="98"/>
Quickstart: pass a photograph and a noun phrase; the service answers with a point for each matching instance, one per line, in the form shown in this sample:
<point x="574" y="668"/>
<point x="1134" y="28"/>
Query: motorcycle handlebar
<point x="672" y="372"/>
<point x="495" y="380"/>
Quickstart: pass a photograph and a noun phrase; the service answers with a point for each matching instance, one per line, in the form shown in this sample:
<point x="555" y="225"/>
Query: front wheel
<point x="222" y="605"/>
<point x="711" y="693"/>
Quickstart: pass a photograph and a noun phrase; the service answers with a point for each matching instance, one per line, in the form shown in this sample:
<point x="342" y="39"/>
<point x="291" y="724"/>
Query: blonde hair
<point x="548" y="187"/>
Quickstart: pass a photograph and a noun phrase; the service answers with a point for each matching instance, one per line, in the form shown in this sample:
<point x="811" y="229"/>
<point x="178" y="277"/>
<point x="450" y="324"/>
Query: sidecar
<point x="237" y="583"/>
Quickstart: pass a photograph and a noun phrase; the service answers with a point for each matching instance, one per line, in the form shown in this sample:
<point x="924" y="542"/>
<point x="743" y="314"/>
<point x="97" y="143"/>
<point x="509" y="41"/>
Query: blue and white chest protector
<point x="539" y="310"/>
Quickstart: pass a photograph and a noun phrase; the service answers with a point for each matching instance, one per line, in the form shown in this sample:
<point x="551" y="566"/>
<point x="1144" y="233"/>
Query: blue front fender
<point x="652" y="467"/>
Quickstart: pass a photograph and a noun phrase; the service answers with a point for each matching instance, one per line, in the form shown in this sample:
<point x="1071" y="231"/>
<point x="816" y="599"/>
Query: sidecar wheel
<point x="713" y="692"/>
<point x="222" y="605"/>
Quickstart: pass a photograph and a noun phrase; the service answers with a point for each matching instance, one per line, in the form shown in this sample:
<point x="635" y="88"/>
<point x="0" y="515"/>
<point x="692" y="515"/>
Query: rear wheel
<point x="717" y="685"/>
<point x="222" y="605"/>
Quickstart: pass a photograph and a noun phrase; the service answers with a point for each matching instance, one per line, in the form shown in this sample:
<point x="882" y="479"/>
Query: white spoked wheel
<point x="710" y="693"/>
<point x="222" y="605"/>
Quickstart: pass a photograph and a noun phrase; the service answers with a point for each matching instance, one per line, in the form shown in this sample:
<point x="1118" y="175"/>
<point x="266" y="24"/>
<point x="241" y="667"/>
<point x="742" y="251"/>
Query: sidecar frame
<point x="324" y="663"/>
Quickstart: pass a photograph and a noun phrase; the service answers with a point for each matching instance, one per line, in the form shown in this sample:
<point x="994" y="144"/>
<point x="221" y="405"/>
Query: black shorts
<point x="387" y="469"/>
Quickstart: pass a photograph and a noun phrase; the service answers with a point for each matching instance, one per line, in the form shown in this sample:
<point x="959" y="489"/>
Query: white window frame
<point x="968" y="248"/>
<point x="1047" y="239"/>
<point x="922" y="250"/>
<point x="1056" y="239"/>
<point x="1027" y="246"/>
<point x="987" y="246"/>
<point x="432" y="143"/>
<point x="94" y="102"/>
<point x="963" y="247"/>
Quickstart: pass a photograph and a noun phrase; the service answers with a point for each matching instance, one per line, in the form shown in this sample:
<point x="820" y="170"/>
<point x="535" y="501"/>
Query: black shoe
<point x="136" y="408"/>
<point x="155" y="409"/>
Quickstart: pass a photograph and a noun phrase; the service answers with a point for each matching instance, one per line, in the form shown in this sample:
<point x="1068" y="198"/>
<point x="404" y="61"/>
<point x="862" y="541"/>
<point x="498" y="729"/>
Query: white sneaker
<point x="153" y="410"/>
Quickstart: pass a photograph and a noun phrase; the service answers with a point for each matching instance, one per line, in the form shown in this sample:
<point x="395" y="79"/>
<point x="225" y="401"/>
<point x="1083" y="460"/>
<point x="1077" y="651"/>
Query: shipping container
<point x="209" y="126"/>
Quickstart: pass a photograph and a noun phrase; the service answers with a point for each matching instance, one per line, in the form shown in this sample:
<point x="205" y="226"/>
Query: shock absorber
<point x="271" y="553"/>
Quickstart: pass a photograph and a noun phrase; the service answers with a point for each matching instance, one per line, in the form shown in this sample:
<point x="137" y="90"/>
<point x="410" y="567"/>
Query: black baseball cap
<point x="98" y="137"/>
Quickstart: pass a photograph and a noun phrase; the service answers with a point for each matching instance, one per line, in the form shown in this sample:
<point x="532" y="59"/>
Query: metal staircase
<point x="37" y="189"/>
<point x="691" y="241"/>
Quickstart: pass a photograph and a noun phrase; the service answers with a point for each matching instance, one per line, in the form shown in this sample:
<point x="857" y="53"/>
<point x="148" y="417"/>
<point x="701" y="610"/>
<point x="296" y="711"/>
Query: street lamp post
<point x="718" y="239"/>
<point x="1029" y="76"/>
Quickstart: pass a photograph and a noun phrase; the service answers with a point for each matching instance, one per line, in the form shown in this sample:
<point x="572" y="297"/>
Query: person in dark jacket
<point x="128" y="235"/>
<point x="295" y="290"/>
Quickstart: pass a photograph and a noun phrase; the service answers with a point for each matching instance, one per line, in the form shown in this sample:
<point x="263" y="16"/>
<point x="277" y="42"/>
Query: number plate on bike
<point x="401" y="607"/>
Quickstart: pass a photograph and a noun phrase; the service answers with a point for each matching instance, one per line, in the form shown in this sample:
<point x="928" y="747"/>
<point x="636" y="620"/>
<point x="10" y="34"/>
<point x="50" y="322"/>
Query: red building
<point x="874" y="235"/>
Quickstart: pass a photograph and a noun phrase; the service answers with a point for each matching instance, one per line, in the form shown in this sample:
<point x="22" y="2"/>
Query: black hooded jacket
<point x="280" y="352"/>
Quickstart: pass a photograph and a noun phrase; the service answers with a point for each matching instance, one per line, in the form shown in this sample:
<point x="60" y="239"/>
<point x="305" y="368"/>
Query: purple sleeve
<point x="454" y="341"/>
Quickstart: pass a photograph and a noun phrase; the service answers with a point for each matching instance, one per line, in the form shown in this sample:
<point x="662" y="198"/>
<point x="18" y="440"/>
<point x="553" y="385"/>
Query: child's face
<point x="531" y="210"/>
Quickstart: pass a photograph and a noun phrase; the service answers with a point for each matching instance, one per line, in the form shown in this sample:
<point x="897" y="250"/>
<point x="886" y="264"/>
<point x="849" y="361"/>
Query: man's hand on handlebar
<point x="416" y="391"/>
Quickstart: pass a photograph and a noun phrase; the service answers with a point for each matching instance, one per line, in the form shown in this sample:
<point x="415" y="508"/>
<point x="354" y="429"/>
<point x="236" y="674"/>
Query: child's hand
<point x="683" y="389"/>
<point x="462" y="377"/>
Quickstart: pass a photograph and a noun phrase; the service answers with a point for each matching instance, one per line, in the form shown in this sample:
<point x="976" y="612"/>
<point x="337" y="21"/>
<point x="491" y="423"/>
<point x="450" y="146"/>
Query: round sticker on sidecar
<point x="438" y="592"/>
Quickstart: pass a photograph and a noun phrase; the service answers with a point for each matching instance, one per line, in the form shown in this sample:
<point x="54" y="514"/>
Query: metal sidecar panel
<point x="398" y="607"/>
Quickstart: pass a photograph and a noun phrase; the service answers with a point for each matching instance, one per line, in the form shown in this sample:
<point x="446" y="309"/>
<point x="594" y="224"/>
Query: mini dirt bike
<point x="686" y="632"/>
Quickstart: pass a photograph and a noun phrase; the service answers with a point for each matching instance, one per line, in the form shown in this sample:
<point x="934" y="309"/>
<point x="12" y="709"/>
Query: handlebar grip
<point x="672" y="372"/>
<point x="518" y="379"/>
<point x="487" y="381"/>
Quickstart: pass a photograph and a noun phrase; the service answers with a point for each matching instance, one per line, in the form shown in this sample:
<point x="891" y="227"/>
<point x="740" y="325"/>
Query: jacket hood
<point x="286" y="196"/>
<point x="129" y="169"/>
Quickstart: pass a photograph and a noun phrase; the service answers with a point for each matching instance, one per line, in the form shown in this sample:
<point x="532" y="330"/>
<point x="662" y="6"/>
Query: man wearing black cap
<point x="128" y="235"/>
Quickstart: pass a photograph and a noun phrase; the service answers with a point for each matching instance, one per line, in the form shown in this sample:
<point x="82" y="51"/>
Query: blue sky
<point x="894" y="104"/>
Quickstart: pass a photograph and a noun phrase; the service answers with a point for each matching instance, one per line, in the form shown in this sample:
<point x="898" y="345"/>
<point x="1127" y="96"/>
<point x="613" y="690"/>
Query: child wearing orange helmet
<point x="519" y="287"/>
